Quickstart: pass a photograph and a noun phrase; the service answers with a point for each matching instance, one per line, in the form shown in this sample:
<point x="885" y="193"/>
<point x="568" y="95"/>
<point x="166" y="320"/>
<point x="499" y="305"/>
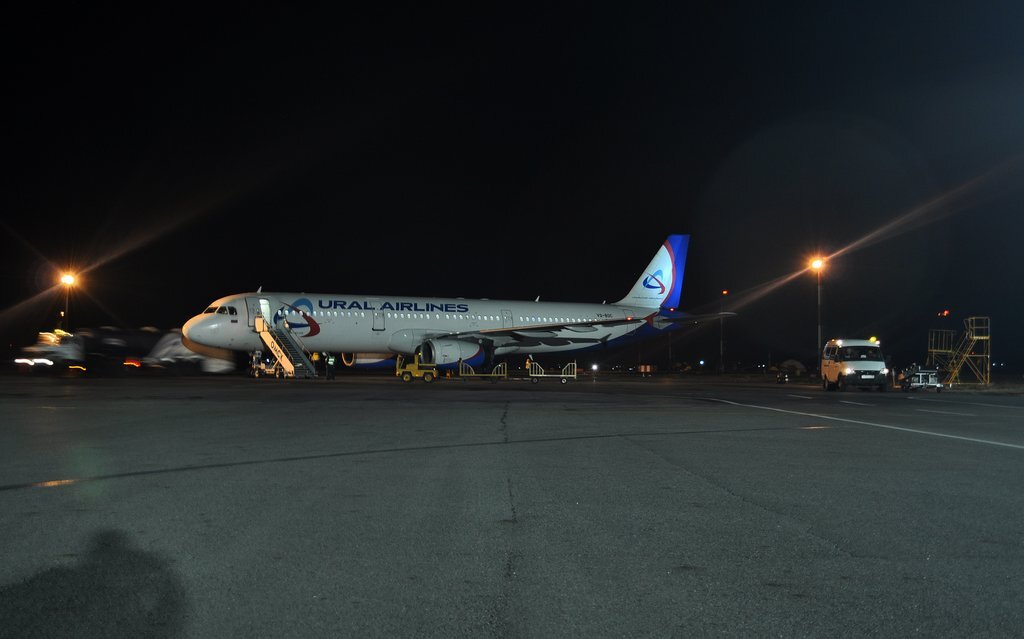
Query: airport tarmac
<point x="656" y="507"/>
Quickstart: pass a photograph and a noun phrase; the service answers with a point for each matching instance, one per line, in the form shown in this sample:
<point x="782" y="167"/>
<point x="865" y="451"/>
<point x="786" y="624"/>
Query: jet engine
<point x="450" y="351"/>
<point x="368" y="360"/>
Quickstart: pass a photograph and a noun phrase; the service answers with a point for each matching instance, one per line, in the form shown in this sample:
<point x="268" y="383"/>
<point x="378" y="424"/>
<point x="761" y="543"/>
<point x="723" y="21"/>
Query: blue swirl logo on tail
<point x="656" y="278"/>
<point x="304" y="308"/>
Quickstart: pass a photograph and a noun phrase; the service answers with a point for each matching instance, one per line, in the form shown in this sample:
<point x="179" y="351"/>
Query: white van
<point x="854" y="362"/>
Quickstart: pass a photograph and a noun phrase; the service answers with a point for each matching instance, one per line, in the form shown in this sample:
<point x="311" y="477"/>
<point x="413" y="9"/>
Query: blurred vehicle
<point x="116" y="351"/>
<point x="55" y="350"/>
<point x="170" y="353"/>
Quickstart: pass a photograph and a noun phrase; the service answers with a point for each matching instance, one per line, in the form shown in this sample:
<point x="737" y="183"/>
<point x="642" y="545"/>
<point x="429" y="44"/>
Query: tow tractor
<point x="261" y="366"/>
<point x="415" y="369"/>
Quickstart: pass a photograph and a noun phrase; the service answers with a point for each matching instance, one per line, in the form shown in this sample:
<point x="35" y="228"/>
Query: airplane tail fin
<point x="662" y="281"/>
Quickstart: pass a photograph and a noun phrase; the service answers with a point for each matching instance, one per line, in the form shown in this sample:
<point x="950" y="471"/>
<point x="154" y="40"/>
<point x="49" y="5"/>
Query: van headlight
<point x="885" y="371"/>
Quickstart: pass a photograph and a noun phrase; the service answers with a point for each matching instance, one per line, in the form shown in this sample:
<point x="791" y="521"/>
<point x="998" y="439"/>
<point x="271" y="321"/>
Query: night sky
<point x="513" y="151"/>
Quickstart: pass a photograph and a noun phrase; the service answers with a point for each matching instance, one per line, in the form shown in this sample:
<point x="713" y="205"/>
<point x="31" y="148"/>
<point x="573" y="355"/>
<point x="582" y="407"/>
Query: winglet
<point x="661" y="283"/>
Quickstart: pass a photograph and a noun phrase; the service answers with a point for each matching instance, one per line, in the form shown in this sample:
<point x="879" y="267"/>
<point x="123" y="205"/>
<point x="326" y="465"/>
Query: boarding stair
<point x="972" y="353"/>
<point x="286" y="347"/>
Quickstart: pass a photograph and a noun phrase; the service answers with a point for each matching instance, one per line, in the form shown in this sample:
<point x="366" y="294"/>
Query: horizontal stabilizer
<point x="679" y="317"/>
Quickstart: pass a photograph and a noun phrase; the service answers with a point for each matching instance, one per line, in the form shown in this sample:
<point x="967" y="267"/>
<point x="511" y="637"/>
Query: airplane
<point x="371" y="330"/>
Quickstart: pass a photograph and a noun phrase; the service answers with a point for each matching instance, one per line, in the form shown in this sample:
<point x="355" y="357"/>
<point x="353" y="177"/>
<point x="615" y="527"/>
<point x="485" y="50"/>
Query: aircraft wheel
<point x="407" y="376"/>
<point x="428" y="377"/>
<point x="534" y="380"/>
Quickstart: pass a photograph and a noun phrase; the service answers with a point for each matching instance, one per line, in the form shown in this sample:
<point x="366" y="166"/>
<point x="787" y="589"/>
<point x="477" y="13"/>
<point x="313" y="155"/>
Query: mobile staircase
<point x="972" y="353"/>
<point x="286" y="347"/>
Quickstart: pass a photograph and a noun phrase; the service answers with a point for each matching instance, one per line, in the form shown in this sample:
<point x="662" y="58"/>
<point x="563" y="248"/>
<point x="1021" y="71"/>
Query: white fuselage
<point x="359" y="323"/>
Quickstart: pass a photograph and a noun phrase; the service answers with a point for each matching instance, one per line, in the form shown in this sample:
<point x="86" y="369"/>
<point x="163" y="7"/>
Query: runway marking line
<point x="947" y="401"/>
<point x="873" y="424"/>
<point x="799" y="396"/>
<point x="944" y="412"/>
<point x="846" y="401"/>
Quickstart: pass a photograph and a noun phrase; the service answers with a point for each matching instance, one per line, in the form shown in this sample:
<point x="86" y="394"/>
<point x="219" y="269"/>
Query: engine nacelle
<point x="368" y="360"/>
<point x="450" y="351"/>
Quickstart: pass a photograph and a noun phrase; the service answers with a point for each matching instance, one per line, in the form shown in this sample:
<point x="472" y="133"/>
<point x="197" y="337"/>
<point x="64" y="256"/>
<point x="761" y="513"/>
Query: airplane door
<point x="378" y="320"/>
<point x="506" y="318"/>
<point x="258" y="306"/>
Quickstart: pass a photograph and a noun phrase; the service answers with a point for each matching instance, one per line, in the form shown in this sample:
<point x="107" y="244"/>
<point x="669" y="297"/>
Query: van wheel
<point x="824" y="384"/>
<point x="841" y="384"/>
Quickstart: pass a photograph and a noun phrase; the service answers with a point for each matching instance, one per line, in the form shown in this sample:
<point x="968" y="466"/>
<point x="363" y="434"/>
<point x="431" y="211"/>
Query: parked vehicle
<point x="854" y="362"/>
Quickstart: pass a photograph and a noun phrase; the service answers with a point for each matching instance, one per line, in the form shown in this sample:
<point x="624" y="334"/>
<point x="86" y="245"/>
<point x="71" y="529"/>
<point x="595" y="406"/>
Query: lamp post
<point x="721" y="333"/>
<point x="817" y="264"/>
<point x="68" y="280"/>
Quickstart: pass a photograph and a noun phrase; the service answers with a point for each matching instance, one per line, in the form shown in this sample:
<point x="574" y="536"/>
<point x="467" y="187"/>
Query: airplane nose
<point x="195" y="331"/>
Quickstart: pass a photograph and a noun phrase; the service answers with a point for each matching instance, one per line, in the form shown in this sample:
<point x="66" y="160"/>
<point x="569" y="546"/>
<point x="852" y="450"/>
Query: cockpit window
<point x="222" y="310"/>
<point x="232" y="310"/>
<point x="210" y="309"/>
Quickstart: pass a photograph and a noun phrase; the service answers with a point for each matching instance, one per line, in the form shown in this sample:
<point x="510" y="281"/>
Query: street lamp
<point x="817" y="264"/>
<point x="721" y="333"/>
<point x="68" y="280"/>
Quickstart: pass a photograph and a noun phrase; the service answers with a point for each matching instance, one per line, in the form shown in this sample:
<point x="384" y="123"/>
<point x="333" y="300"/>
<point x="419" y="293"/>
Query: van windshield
<point x="869" y="353"/>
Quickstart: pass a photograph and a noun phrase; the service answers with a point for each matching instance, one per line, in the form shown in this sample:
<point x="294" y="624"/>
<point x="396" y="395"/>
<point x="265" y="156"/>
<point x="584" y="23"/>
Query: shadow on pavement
<point x="115" y="591"/>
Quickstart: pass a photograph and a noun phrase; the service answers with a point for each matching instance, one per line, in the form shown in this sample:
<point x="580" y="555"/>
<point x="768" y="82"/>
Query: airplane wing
<point x="565" y="333"/>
